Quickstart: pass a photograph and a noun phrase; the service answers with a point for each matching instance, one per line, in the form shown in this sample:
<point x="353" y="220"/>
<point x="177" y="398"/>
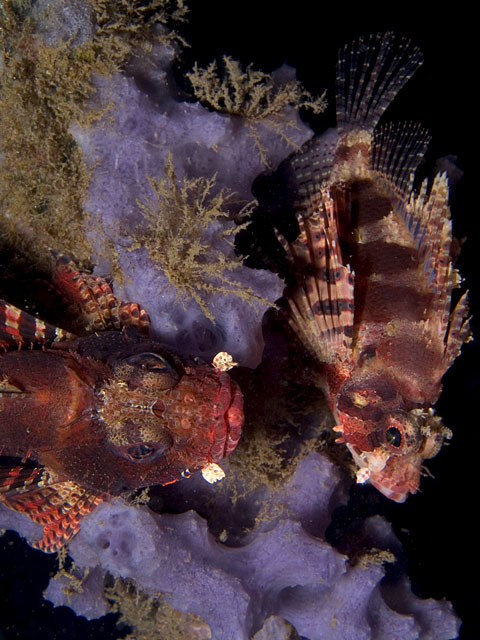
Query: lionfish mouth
<point x="228" y="417"/>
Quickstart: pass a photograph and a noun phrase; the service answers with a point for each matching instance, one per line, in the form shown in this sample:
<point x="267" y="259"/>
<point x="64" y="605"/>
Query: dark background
<point x="436" y="526"/>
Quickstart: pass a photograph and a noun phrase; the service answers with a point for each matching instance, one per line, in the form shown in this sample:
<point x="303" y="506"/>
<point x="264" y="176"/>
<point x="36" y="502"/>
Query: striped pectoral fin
<point x="19" y="478"/>
<point x="132" y="314"/>
<point x="321" y="305"/>
<point x="58" y="506"/>
<point x="92" y="301"/>
<point x="18" y="327"/>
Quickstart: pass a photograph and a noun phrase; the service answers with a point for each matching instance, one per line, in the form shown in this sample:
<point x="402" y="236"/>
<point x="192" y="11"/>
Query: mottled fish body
<point x="86" y="418"/>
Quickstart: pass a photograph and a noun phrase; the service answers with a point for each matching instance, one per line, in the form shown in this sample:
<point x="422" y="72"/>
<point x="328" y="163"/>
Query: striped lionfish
<point x="374" y="271"/>
<point x="85" y="418"/>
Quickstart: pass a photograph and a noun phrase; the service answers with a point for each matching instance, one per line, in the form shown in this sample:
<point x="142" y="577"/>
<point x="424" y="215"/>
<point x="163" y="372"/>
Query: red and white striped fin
<point x="321" y="306"/>
<point x="370" y="73"/>
<point x="92" y="303"/>
<point x="132" y="314"/>
<point x="18" y="479"/>
<point x="19" y="328"/>
<point x="427" y="216"/>
<point x="58" y="506"/>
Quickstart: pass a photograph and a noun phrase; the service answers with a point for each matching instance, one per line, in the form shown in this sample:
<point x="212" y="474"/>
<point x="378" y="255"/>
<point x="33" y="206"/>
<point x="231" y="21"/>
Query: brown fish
<point x="374" y="267"/>
<point x="95" y="416"/>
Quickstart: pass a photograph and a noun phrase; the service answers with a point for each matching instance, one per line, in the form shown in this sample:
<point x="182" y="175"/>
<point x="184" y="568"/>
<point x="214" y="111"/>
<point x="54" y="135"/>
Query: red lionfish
<point x="374" y="271"/>
<point x="95" y="416"/>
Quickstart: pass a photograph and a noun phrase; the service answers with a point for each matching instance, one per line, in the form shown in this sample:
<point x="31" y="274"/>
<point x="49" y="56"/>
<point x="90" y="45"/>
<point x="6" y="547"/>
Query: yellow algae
<point x="152" y="618"/>
<point x="179" y="218"/>
<point x="254" y="95"/>
<point x="44" y="90"/>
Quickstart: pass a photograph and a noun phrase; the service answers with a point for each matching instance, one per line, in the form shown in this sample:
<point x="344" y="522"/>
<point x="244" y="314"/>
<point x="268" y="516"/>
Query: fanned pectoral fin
<point x="58" y="506"/>
<point x="91" y="299"/>
<point x="321" y="306"/>
<point x="19" y="328"/>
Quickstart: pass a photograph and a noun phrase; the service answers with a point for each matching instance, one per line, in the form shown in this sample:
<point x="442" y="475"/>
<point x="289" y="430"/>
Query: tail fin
<point x="370" y="73"/>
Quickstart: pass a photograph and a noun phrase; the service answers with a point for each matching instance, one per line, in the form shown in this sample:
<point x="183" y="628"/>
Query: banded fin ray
<point x="312" y="167"/>
<point x="427" y="216"/>
<point x="458" y="331"/>
<point x="321" y="305"/>
<point x="19" y="328"/>
<point x="397" y="150"/>
<point x="370" y="73"/>
<point x="90" y="298"/>
<point x="19" y="478"/>
<point x="58" y="506"/>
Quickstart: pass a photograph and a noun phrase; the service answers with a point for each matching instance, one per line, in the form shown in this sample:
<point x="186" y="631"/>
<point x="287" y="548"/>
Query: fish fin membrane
<point x="427" y="216"/>
<point x="370" y="73"/>
<point x="17" y="478"/>
<point x="397" y="150"/>
<point x="92" y="304"/>
<point x="321" y="304"/>
<point x="312" y="167"/>
<point x="19" y="328"/>
<point x="58" y="506"/>
<point x="458" y="331"/>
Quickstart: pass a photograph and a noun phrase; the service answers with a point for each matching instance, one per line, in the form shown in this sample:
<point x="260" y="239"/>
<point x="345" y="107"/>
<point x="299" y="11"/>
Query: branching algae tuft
<point x="45" y="85"/>
<point x="182" y="223"/>
<point x="260" y="98"/>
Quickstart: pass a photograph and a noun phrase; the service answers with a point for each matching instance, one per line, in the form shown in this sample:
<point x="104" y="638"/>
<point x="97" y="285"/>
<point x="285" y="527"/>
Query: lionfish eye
<point x="393" y="436"/>
<point x="150" y="362"/>
<point x="140" y="451"/>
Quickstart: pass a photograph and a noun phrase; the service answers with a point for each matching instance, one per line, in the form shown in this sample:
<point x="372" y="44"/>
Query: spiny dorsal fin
<point x="19" y="328"/>
<point x="312" y="167"/>
<point x="321" y="306"/>
<point x="458" y="331"/>
<point x="427" y="216"/>
<point x="370" y="73"/>
<point x="58" y="506"/>
<point x="398" y="149"/>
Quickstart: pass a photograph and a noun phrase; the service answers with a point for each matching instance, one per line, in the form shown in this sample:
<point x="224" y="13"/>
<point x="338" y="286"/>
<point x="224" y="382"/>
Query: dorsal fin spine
<point x="370" y="73"/>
